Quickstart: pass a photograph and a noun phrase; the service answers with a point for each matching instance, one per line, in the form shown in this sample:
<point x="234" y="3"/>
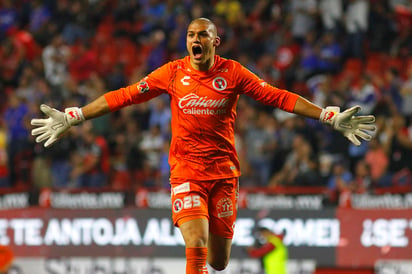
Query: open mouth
<point x="197" y="51"/>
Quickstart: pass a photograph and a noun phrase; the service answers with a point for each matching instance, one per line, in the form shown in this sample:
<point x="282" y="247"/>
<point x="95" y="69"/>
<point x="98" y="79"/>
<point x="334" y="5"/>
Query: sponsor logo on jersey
<point x="224" y="207"/>
<point x="185" y="187"/>
<point x="219" y="83"/>
<point x="194" y="100"/>
<point x="202" y="105"/>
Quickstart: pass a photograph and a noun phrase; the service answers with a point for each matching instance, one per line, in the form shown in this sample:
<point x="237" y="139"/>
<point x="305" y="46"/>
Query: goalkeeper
<point x="204" y="89"/>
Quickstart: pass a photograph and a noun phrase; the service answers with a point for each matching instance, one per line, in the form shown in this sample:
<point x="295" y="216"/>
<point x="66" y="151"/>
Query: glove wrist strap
<point x="328" y="115"/>
<point x="74" y="115"/>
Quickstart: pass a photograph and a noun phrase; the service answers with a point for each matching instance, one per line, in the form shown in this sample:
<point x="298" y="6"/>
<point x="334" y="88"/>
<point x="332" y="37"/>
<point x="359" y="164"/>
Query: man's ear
<point x="217" y="41"/>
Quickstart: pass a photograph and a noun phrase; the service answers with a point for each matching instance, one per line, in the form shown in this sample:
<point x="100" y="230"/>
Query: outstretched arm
<point x="306" y="108"/>
<point x="97" y="108"/>
<point x="351" y="126"/>
<point x="58" y="123"/>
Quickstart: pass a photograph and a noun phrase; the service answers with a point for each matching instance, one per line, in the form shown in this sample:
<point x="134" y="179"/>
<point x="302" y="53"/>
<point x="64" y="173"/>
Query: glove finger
<point x="43" y="137"/>
<point x="353" y="139"/>
<point x="45" y="109"/>
<point x="38" y="122"/>
<point x="368" y="119"/>
<point x="351" y="111"/>
<point x="51" y="141"/>
<point x="365" y="136"/>
<point x="367" y="127"/>
<point x="52" y="112"/>
<point x="39" y="130"/>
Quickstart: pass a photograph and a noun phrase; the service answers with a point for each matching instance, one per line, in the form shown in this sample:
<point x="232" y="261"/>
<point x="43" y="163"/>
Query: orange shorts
<point x="214" y="200"/>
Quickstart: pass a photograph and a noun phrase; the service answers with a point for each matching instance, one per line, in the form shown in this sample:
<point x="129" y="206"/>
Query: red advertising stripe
<point x="371" y="235"/>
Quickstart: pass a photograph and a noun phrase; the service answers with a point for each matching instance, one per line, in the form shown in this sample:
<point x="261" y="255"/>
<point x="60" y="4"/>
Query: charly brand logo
<point x="185" y="80"/>
<point x="219" y="83"/>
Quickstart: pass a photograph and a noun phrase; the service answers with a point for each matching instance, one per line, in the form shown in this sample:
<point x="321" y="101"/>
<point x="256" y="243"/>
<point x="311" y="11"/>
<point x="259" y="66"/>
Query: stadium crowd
<point x="334" y="52"/>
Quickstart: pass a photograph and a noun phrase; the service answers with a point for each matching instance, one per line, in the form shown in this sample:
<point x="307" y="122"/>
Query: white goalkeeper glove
<point x="348" y="124"/>
<point x="58" y="123"/>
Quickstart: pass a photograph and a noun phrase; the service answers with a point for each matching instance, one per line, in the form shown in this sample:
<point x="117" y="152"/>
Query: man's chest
<point x="209" y="91"/>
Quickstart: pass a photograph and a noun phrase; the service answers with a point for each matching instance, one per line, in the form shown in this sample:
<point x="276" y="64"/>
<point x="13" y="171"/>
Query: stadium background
<point x="342" y="207"/>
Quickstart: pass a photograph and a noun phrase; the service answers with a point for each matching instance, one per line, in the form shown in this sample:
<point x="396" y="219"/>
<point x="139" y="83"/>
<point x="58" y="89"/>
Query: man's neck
<point x="203" y="66"/>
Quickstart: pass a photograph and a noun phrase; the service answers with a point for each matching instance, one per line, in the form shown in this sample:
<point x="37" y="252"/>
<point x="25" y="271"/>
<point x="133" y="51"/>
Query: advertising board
<point x="329" y="237"/>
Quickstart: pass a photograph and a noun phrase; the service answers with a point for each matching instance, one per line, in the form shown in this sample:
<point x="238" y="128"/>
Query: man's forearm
<point x="306" y="108"/>
<point x="98" y="107"/>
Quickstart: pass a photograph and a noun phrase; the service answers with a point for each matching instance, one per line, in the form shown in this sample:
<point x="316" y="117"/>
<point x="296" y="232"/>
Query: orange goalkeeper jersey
<point x="203" y="106"/>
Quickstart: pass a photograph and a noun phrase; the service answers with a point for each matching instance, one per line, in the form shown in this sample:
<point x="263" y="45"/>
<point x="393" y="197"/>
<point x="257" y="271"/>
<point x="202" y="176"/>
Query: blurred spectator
<point x="31" y="48"/>
<point x="378" y="161"/>
<point x="61" y="15"/>
<point x="26" y="86"/>
<point x="356" y="23"/>
<point x="39" y="16"/>
<point x="383" y="30"/>
<point x="8" y="17"/>
<point x="300" y="168"/>
<point x="286" y="59"/>
<point x="402" y="44"/>
<point x="82" y="62"/>
<point x="308" y="57"/>
<point x="331" y="13"/>
<point x="362" y="181"/>
<point x="340" y="181"/>
<point x="389" y="91"/>
<point x="320" y="87"/>
<point x="231" y="10"/>
<point x="364" y="94"/>
<point x="127" y="157"/>
<point x="152" y="145"/>
<point x="160" y="114"/>
<point x="406" y="93"/>
<point x="164" y="167"/>
<point x="303" y="16"/>
<point x="78" y="27"/>
<point x="271" y="250"/>
<point x="12" y="56"/>
<point x="55" y="58"/>
<point x="330" y="54"/>
<point x="355" y="154"/>
<point x="398" y="145"/>
<point x="260" y="142"/>
<point x="176" y="43"/>
<point x="91" y="162"/>
<point x="41" y="174"/>
<point x="158" y="50"/>
<point x="154" y="12"/>
<point x="15" y="117"/>
<point x="117" y="78"/>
